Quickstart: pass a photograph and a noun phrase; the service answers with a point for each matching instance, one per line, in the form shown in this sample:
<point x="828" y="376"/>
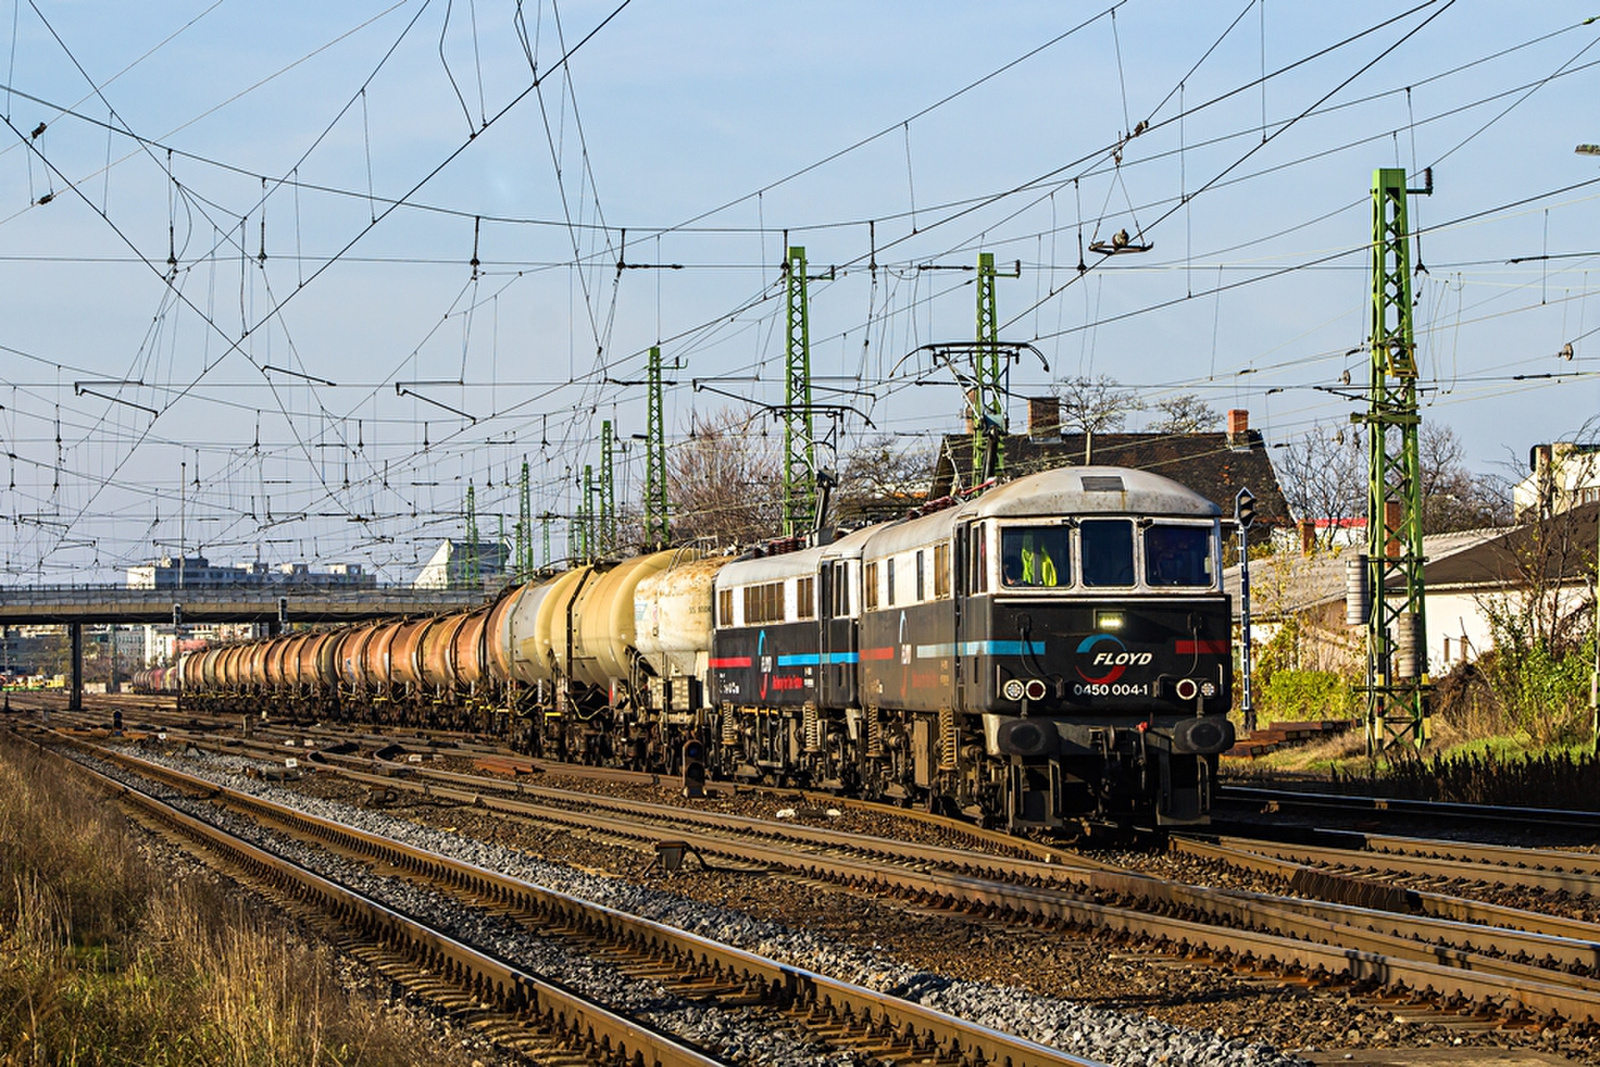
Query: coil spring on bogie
<point x="949" y="739"/>
<point x="874" y="733"/>
<point x="811" y="727"/>
<point x="730" y="727"/>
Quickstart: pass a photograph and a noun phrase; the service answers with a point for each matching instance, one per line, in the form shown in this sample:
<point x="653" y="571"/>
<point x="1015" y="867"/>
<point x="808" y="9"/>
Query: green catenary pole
<point x="607" y="536"/>
<point x="586" y="516"/>
<point x="1397" y="670"/>
<point x="469" y="559"/>
<point x="657" y="532"/>
<point x="799" y="439"/>
<point x="525" y="527"/>
<point x="989" y="402"/>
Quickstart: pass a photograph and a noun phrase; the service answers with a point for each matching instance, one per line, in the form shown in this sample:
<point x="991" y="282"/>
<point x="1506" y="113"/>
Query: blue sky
<point x="321" y="174"/>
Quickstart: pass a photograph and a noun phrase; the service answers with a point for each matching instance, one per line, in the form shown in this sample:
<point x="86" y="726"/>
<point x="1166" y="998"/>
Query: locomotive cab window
<point x="1107" y="548"/>
<point x="1035" y="556"/>
<point x="1177" y="556"/>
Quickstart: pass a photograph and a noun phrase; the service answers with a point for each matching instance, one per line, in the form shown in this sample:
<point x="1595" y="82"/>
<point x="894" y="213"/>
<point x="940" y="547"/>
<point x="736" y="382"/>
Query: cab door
<point x="973" y="617"/>
<point x="840" y="652"/>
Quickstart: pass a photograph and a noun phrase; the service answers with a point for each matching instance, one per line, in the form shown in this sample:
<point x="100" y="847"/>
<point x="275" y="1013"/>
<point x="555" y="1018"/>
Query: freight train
<point x="1053" y="651"/>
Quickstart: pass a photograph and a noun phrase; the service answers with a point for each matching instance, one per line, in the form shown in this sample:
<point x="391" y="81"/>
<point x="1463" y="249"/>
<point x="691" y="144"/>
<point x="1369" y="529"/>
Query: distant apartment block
<point x="190" y="572"/>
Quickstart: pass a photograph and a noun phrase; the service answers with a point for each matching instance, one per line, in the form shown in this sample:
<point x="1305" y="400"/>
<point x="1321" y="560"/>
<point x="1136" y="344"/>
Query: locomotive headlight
<point x="1035" y="689"/>
<point x="1186" y="688"/>
<point x="1208" y="689"/>
<point x="1108" y="620"/>
<point x="1013" y="689"/>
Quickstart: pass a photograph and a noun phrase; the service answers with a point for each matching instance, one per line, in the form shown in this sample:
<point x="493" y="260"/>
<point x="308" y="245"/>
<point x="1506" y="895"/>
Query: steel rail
<point x="1411" y="863"/>
<point x="1440" y="905"/>
<point x="574" y="1018"/>
<point x="1518" y="858"/>
<point x="1387" y="959"/>
<point x="1278" y="800"/>
<point x="1425" y="939"/>
<point x="1511" y="932"/>
<point x="996" y="839"/>
<point x="879" y="1012"/>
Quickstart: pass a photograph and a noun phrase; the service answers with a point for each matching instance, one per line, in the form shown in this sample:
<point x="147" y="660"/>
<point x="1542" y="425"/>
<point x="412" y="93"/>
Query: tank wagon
<point x="1055" y="650"/>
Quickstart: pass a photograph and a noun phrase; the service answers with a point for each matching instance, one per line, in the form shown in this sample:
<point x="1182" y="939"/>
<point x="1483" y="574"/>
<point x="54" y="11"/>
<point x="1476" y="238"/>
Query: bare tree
<point x="881" y="479"/>
<point x="724" y="481"/>
<point x="1324" y="474"/>
<point x="1185" y="413"/>
<point x="1453" y="498"/>
<point x="1096" y="405"/>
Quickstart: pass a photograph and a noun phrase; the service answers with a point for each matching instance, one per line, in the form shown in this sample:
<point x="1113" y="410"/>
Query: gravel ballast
<point x="1082" y="1030"/>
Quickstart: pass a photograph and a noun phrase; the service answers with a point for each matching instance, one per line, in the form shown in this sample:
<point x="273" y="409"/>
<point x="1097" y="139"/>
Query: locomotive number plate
<point x="1111" y="689"/>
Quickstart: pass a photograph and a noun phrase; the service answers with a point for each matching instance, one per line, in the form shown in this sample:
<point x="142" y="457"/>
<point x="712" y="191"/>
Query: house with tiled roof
<point x="1215" y="465"/>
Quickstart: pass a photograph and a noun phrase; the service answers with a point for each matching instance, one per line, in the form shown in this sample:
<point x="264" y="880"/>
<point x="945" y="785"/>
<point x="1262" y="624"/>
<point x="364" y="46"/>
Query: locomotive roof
<point x="1093" y="490"/>
<point x="790" y="564"/>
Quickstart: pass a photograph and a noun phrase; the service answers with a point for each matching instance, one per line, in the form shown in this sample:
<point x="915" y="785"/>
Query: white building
<point x="1468" y="577"/>
<point x="1561" y="476"/>
<point x="453" y="561"/>
<point x="198" y="572"/>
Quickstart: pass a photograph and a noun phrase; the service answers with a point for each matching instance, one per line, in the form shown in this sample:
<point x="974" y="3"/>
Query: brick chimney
<point x="1238" y="428"/>
<point x="1308" y="537"/>
<point x="1044" y="418"/>
<point x="1391" y="519"/>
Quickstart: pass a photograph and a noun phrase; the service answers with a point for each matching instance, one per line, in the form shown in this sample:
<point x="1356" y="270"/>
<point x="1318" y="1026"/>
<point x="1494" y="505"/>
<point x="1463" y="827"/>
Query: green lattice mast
<point x="469" y="561"/>
<point x="525" y="527"/>
<point x="1397" y="646"/>
<point x="586" y="516"/>
<point x="657" y="531"/>
<point x="607" y="536"/>
<point x="989" y="403"/>
<point x="799" y="438"/>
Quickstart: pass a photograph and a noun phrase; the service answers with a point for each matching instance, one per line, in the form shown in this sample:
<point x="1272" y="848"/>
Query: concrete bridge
<point x="275" y="605"/>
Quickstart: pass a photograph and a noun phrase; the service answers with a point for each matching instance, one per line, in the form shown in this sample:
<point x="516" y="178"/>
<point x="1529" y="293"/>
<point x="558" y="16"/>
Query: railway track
<point x="534" y="1016"/>
<point x="1484" y="971"/>
<point x="1480" y="960"/>
<point x="844" y="1016"/>
<point x="1254" y="801"/>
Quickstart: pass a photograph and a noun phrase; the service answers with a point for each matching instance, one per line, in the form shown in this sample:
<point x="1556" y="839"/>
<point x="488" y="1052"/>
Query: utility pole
<point x="183" y="489"/>
<point x="799" y="436"/>
<point x="657" y="532"/>
<point x="1397" y="646"/>
<point x="586" y="516"/>
<point x="1244" y="516"/>
<point x="989" y="405"/>
<point x="469" y="562"/>
<point x="608" y="491"/>
<point x="1594" y="677"/>
<point x="525" y="528"/>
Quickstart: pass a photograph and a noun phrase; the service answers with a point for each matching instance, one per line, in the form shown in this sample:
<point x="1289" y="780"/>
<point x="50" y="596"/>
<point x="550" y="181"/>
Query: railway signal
<point x="1244" y="516"/>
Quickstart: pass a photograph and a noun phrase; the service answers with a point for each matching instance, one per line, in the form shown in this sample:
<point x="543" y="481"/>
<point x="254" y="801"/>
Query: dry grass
<point x="104" y="960"/>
